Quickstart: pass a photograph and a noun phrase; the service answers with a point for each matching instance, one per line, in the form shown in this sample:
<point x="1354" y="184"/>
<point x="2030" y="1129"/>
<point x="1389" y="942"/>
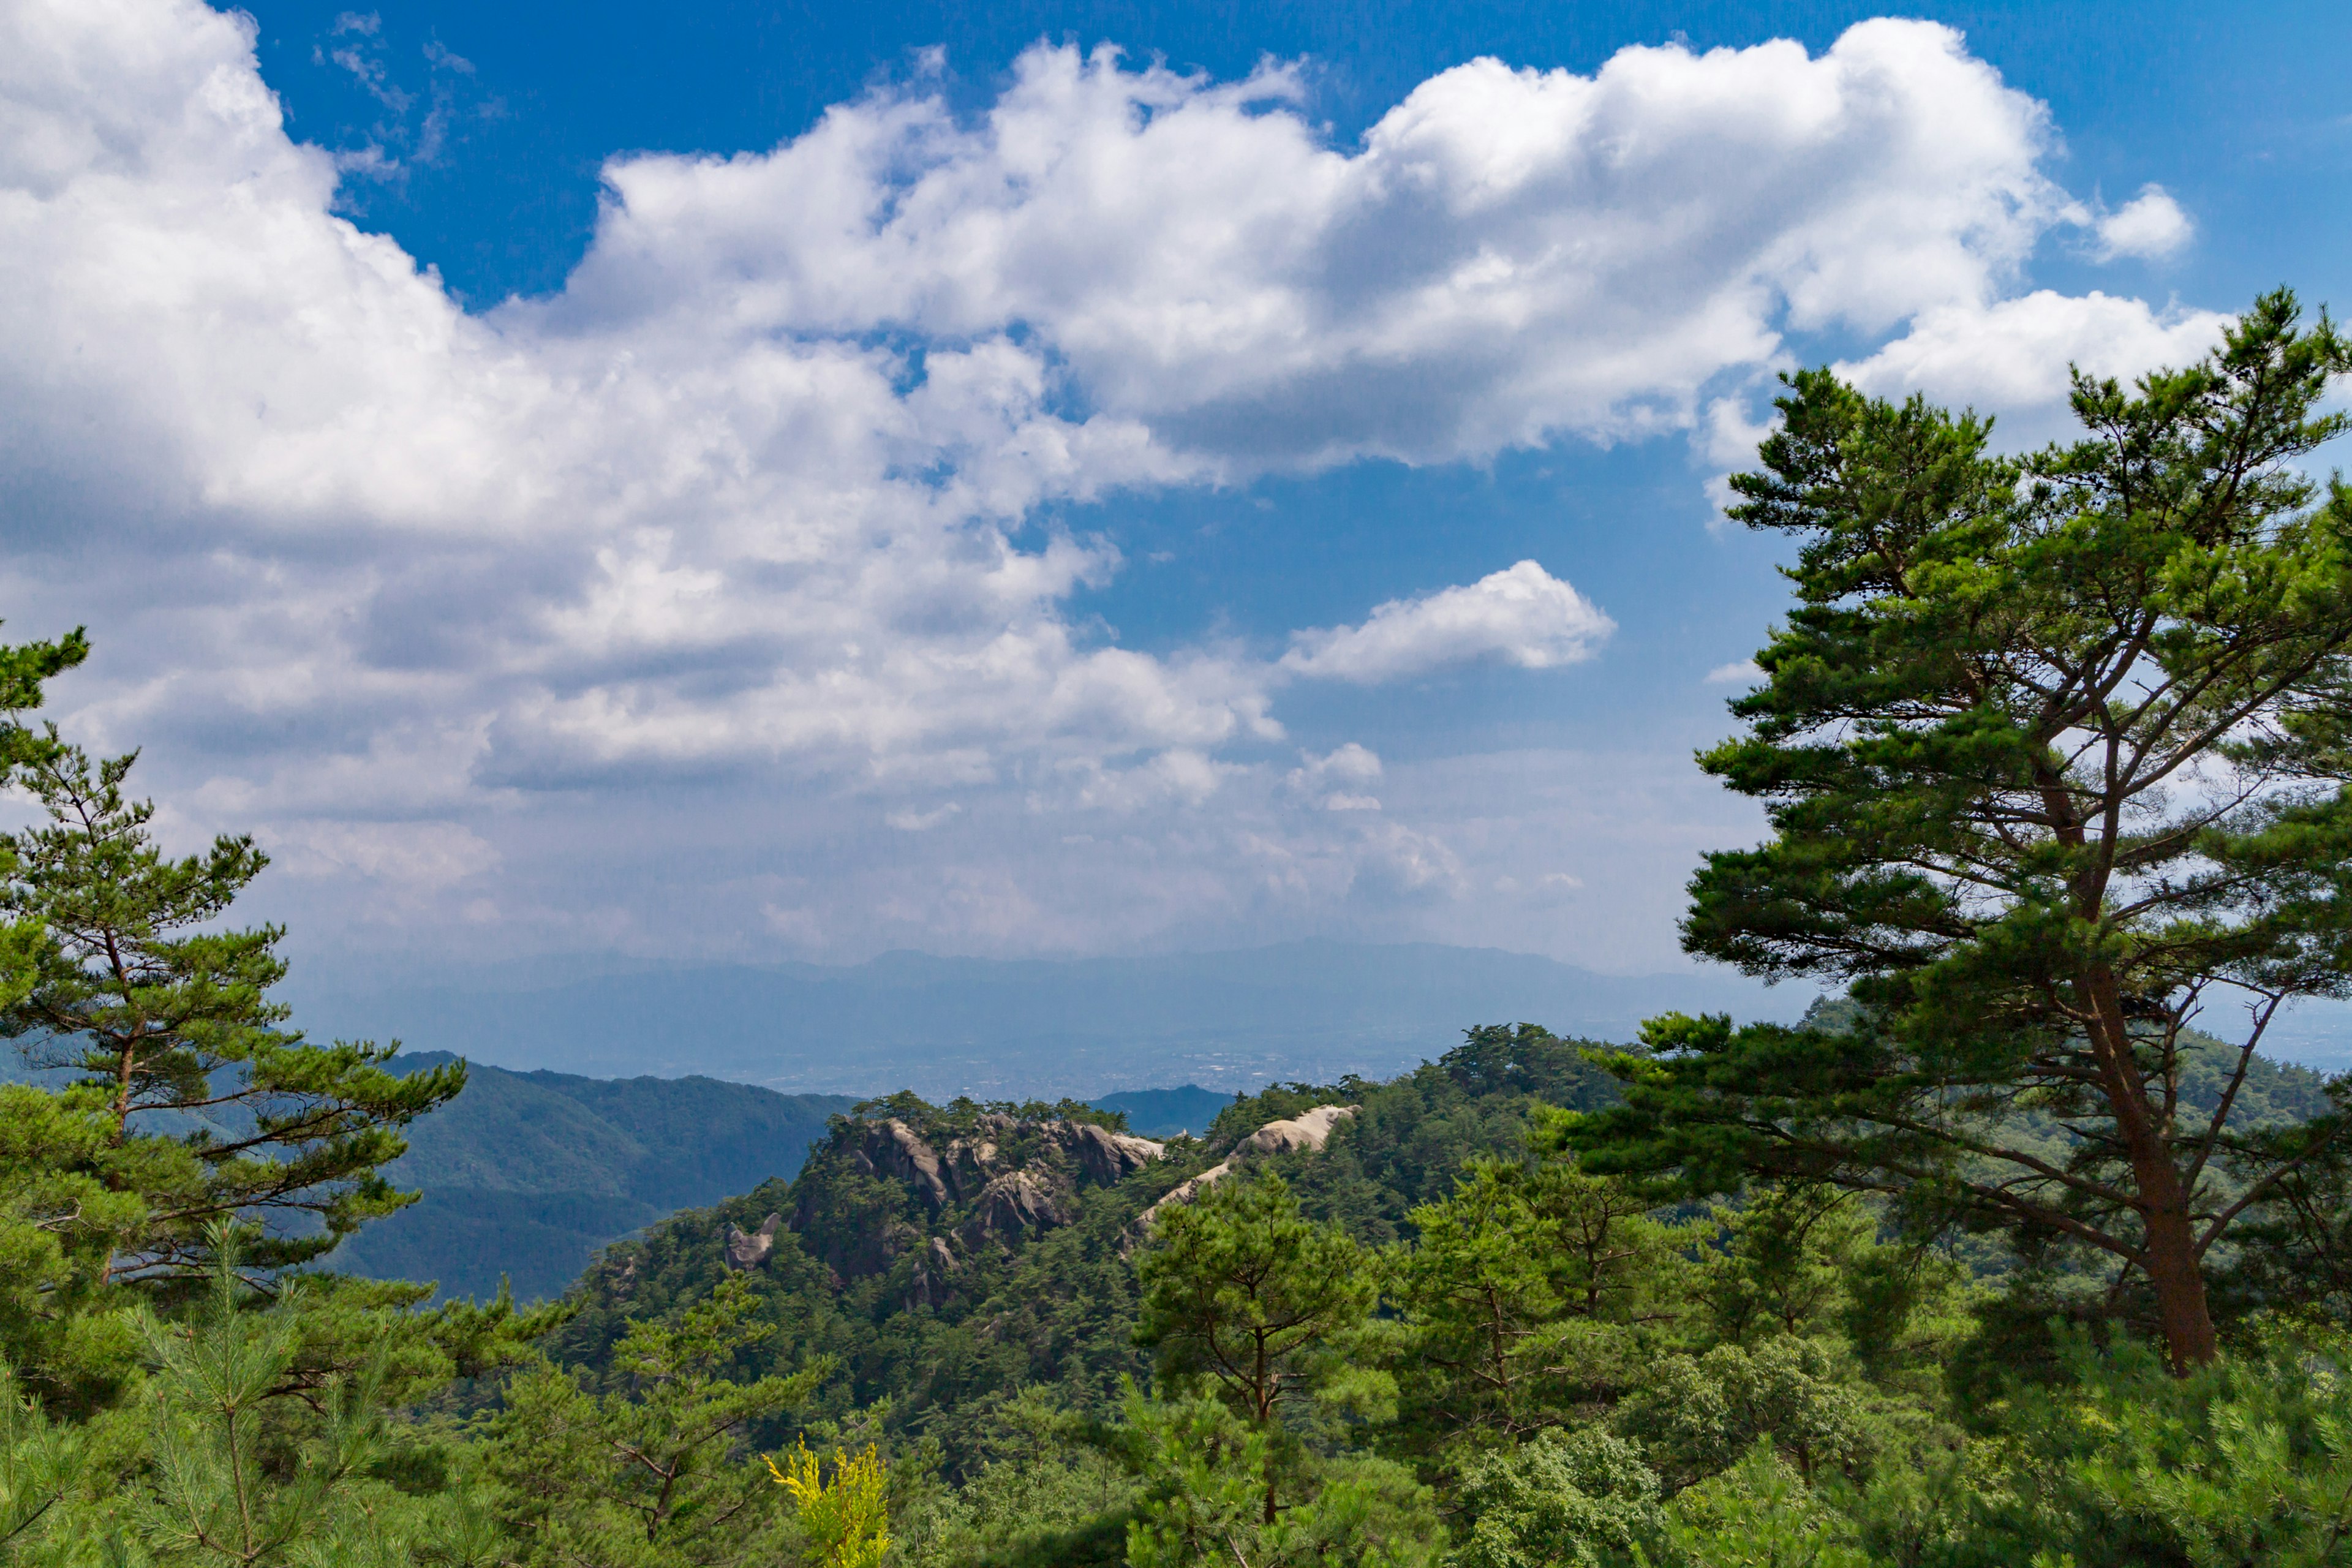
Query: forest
<point x="2018" y="1249"/>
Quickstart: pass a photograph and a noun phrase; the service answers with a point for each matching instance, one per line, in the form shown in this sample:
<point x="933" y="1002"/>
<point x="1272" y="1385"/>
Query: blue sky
<point x="752" y="482"/>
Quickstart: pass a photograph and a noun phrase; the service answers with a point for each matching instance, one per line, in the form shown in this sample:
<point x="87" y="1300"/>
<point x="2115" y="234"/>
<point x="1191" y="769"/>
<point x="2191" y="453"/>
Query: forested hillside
<point x="524" y="1176"/>
<point x="944" y="1301"/>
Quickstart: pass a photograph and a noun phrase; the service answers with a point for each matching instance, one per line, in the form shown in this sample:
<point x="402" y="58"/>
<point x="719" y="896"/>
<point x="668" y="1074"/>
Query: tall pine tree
<point x="2055" y="755"/>
<point x="212" y="1108"/>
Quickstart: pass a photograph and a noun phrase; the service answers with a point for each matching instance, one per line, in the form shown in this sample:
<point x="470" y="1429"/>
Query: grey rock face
<point x="747" y="1251"/>
<point x="992" y="1179"/>
<point x="933" y="1273"/>
<point x="1013" y="1203"/>
<point x="1106" y="1156"/>
<point x="892" y="1148"/>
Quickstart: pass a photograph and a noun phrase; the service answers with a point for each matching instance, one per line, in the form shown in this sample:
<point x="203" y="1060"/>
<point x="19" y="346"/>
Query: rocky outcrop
<point x="1104" y="1155"/>
<point x="892" y="1148"/>
<point x="1308" y="1130"/>
<point x="747" y="1251"/>
<point x="986" y="1180"/>
<point x="1015" y="1203"/>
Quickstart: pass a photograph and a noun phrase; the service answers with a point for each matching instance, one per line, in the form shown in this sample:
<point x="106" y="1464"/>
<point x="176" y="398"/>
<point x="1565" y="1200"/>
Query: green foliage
<point x="1246" y="1296"/>
<point x="1696" y="1415"/>
<point x="1527" y="1296"/>
<point x="24" y="669"/>
<point x="60" y="1221"/>
<point x="212" y="1109"/>
<point x="1049" y="1493"/>
<point x="1584" y="1499"/>
<point x="853" y="1277"/>
<point x="1760" y="1513"/>
<point x="1205" y="1473"/>
<point x="1243" y="1293"/>
<point x="2248" y="1461"/>
<point x="1970" y="745"/>
<point x="232" y="1479"/>
<point x="41" y="1464"/>
<point x="656" y="1475"/>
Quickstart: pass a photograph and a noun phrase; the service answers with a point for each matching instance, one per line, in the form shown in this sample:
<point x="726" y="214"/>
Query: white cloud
<point x="2009" y="358"/>
<point x="2150" y="226"/>
<point x="1738" y="672"/>
<point x="1511" y="254"/>
<point x="1522" y="616"/>
<point x="1338" y="781"/>
<point x="364" y="558"/>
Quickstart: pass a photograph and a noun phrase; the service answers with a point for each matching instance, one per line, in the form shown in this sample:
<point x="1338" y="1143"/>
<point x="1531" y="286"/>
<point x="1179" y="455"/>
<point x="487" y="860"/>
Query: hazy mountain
<point x="526" y="1174"/>
<point x="993" y="1028"/>
<point x="1165" y="1112"/>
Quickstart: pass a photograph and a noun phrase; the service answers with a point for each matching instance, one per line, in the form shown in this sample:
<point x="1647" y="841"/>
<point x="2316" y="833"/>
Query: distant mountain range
<point x="525" y="1174"/>
<point x="1165" y="1112"/>
<point x="1011" y="1029"/>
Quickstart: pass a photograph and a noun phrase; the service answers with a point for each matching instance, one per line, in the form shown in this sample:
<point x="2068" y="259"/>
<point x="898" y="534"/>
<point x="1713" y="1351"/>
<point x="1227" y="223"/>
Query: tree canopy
<point x="2054" y="754"/>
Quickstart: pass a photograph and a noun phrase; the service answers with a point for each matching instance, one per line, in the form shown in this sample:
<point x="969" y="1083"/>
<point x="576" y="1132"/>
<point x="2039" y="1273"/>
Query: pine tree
<point x="651" y="1474"/>
<point x="212" y="1108"/>
<point x="243" y="1473"/>
<point x="2055" y="755"/>
<point x="1243" y="1293"/>
<point x="23" y="670"/>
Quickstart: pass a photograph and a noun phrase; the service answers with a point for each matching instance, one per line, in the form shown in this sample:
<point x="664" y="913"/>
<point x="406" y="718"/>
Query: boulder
<point x="1309" y="1130"/>
<point x="747" y="1251"/>
<point x="1014" y="1203"/>
<point x="891" y="1148"/>
<point x="1106" y="1156"/>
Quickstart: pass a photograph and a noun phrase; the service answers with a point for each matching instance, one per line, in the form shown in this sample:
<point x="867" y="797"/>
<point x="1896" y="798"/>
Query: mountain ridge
<point x="1228" y="1020"/>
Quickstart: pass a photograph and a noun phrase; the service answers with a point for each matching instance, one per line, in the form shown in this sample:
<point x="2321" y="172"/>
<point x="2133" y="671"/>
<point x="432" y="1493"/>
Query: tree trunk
<point x="2180" y="1307"/>
<point x="2169" y="1240"/>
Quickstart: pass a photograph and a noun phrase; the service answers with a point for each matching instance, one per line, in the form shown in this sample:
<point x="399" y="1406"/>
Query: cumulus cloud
<point x="2011" y="357"/>
<point x="1522" y="616"/>
<point x="1738" y="672"/>
<point x="758" y="490"/>
<point x="2150" y="226"/>
<point x="1509" y="254"/>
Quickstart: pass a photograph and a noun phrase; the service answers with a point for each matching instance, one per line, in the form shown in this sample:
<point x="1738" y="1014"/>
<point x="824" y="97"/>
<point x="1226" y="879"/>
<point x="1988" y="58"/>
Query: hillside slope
<point x="526" y="1174"/>
<point x="944" y="1257"/>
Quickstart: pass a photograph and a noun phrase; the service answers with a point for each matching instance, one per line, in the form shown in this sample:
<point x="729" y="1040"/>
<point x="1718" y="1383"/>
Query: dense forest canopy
<point x="2018" y="1251"/>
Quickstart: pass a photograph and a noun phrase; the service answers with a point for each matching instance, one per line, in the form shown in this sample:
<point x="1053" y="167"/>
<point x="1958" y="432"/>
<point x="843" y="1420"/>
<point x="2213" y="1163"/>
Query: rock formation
<point x="1105" y="1155"/>
<point x="747" y="1251"/>
<point x="892" y="1148"/>
<point x="963" y="1169"/>
<point x="1013" y="1205"/>
<point x="992" y="1179"/>
<point x="930" y="1286"/>
<point x="1310" y="1130"/>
